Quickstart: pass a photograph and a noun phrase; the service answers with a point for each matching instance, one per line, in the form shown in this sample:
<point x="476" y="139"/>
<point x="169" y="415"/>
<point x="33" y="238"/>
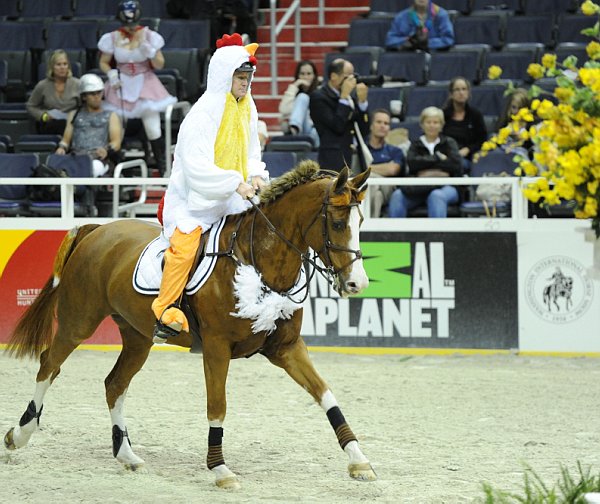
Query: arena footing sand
<point x="433" y="427"/>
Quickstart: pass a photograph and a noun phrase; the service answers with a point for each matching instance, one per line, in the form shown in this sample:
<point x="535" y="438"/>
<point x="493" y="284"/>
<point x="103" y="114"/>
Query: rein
<point x="328" y="272"/>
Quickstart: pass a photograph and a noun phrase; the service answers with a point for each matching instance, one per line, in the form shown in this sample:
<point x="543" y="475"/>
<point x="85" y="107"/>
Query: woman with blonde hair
<point x="432" y="155"/>
<point x="55" y="96"/>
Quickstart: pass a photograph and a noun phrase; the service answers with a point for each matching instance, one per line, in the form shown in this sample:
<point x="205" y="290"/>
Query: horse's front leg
<point x="216" y="366"/>
<point x="296" y="362"/>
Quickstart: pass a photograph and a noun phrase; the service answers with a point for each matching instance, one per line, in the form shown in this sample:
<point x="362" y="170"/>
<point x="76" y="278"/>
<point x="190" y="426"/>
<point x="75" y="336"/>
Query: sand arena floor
<point x="433" y="427"/>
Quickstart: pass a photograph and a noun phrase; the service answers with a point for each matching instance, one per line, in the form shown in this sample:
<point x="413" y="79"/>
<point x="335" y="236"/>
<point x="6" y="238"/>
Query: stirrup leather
<point x="162" y="331"/>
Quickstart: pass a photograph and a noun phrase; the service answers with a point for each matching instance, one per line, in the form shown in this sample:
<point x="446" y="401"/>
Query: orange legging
<point x="179" y="258"/>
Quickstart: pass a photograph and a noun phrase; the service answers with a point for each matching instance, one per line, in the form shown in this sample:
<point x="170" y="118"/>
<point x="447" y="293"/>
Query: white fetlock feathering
<point x="257" y="302"/>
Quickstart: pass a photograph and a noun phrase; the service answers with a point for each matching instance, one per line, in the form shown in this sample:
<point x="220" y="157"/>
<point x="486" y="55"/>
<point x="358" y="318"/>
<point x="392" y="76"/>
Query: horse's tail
<point x="35" y="329"/>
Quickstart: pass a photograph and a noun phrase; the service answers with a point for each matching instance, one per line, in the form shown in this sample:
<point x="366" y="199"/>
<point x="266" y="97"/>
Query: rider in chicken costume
<point x="216" y="168"/>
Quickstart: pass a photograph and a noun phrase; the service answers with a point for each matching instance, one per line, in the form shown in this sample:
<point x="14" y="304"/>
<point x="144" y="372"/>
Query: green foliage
<point x="568" y="490"/>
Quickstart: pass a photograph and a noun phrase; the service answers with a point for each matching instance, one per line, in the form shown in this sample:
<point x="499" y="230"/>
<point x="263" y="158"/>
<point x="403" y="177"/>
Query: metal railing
<point x="276" y="29"/>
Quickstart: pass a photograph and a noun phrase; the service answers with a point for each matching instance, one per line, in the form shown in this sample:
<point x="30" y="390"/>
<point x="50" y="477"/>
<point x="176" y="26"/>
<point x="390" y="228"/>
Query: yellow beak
<point x="251" y="48"/>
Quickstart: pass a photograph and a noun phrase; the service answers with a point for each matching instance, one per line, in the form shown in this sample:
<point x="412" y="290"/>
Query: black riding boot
<point x="158" y="149"/>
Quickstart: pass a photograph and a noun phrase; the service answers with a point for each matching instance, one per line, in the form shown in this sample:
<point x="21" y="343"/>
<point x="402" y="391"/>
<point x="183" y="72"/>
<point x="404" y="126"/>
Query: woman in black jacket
<point x="432" y="155"/>
<point x="463" y="122"/>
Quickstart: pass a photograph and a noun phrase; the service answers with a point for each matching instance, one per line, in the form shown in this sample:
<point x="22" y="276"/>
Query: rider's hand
<point x="362" y="90"/>
<point x="258" y="183"/>
<point x="246" y="191"/>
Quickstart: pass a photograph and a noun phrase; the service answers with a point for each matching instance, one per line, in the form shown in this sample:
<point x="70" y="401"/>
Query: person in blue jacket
<point x="423" y="26"/>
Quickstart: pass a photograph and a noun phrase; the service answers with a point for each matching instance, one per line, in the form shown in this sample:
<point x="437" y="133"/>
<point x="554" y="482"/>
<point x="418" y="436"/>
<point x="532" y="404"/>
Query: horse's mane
<point x="305" y="171"/>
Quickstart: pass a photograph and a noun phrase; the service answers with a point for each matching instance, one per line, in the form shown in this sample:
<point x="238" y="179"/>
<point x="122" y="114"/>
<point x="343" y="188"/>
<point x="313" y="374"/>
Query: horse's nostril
<point x="351" y="286"/>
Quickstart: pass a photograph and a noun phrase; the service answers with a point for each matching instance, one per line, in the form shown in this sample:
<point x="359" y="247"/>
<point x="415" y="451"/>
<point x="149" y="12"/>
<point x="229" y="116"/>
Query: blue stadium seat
<point x="479" y="30"/>
<point x="488" y="98"/>
<point x="444" y="66"/>
<point x="278" y="162"/>
<point x="13" y="198"/>
<point x="381" y="98"/>
<point x="494" y="163"/>
<point x="154" y="8"/>
<point x="404" y="66"/>
<point x="180" y="33"/>
<point x="38" y="9"/>
<point x="513" y="63"/>
<point x="9" y="9"/>
<point x="425" y="96"/>
<point x="511" y="5"/>
<point x="78" y="34"/>
<point x="534" y="28"/>
<point x="96" y="9"/>
<point x="369" y="32"/>
<point x="549" y="6"/>
<point x="413" y="127"/>
<point x="363" y="61"/>
<point x="569" y="28"/>
<point x="76" y="166"/>
<point x="572" y="49"/>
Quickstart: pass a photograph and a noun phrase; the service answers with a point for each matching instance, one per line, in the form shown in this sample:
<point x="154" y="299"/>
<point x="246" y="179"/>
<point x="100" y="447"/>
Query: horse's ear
<point x="341" y="180"/>
<point x="360" y="179"/>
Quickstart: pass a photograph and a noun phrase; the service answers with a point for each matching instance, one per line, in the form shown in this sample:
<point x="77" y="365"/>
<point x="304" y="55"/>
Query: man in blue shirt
<point x="388" y="160"/>
<point x="423" y="26"/>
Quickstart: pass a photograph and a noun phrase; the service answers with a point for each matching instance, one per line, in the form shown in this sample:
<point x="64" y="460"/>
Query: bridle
<point x="329" y="272"/>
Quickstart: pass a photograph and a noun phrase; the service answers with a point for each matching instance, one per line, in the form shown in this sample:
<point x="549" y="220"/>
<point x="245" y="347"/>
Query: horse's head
<point x="338" y="244"/>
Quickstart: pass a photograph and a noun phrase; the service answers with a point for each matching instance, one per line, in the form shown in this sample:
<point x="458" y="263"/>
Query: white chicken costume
<point x="217" y="149"/>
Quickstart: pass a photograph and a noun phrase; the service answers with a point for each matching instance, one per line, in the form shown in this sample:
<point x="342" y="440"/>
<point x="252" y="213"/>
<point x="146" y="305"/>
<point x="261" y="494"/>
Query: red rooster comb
<point x="230" y="40"/>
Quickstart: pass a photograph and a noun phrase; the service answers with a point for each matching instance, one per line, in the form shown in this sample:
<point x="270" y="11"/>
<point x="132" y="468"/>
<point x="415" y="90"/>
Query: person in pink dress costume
<point x="133" y="90"/>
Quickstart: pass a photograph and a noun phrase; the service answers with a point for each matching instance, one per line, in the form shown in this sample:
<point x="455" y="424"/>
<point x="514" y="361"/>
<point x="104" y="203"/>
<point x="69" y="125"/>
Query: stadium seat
<point x="566" y="49"/>
<point x="488" y="98"/>
<point x="413" y="127"/>
<point x="39" y="9"/>
<point x="539" y="28"/>
<point x="514" y="64"/>
<point x="363" y="61"/>
<point x="569" y="28"/>
<point x="9" y="9"/>
<point x="382" y="98"/>
<point x="404" y="66"/>
<point x="3" y="79"/>
<point x="13" y="198"/>
<point x="188" y="62"/>
<point x="181" y="33"/>
<point x="154" y="8"/>
<point x="511" y="5"/>
<point x="444" y="66"/>
<point x="42" y="145"/>
<point x="479" y="30"/>
<point x="6" y="144"/>
<point x="96" y="9"/>
<point x="420" y="97"/>
<point x="494" y="163"/>
<point x="75" y="166"/>
<point x="369" y="32"/>
<point x="278" y="162"/>
<point x="549" y="6"/>
<point x="15" y="121"/>
<point x="79" y="34"/>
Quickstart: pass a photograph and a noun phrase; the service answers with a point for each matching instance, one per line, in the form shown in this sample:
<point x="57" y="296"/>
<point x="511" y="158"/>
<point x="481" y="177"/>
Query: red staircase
<point x="316" y="41"/>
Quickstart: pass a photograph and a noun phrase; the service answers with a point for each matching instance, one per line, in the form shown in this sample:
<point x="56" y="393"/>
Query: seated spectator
<point x="463" y="122"/>
<point x="388" y="160"/>
<point x="294" y="105"/>
<point x="423" y="26"/>
<point x="92" y="130"/>
<point x="432" y="155"/>
<point x="516" y="100"/>
<point x="56" y="95"/>
<point x="263" y="134"/>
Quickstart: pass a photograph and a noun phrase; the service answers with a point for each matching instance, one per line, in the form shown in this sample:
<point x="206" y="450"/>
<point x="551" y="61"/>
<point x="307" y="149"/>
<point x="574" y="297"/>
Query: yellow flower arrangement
<point x="566" y="136"/>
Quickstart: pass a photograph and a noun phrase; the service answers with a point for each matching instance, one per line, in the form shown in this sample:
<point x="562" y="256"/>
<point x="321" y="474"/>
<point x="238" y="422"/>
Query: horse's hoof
<point x="229" y="483"/>
<point x="9" y="442"/>
<point x="137" y="467"/>
<point x="362" y="472"/>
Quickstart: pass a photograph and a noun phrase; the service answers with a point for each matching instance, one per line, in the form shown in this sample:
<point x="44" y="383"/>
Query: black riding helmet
<point x="129" y="12"/>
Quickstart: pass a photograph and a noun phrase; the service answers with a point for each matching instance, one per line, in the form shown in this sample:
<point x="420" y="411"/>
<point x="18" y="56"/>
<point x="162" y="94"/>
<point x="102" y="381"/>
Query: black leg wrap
<point x="338" y="422"/>
<point x="117" y="438"/>
<point x="30" y="414"/>
<point x="215" y="457"/>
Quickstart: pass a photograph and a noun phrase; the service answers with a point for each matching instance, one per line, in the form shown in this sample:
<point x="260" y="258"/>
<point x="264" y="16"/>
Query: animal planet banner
<point x="26" y="261"/>
<point x="560" y="307"/>
<point x="426" y="290"/>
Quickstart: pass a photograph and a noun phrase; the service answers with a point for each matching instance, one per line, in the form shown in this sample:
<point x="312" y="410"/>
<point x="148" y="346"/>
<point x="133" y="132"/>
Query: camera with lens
<point x="369" y="80"/>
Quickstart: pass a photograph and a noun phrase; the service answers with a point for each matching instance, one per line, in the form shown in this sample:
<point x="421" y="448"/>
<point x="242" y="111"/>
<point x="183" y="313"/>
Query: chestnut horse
<point x="301" y="209"/>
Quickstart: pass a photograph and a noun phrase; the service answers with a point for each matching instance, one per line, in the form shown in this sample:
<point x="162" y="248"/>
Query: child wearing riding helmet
<point x="216" y="168"/>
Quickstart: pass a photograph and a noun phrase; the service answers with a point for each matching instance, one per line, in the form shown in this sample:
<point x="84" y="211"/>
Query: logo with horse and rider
<point x="558" y="289"/>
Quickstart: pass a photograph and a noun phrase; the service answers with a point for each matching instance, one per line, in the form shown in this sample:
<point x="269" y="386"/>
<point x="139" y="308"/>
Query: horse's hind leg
<point x="19" y="435"/>
<point x="294" y="359"/>
<point x="135" y="351"/>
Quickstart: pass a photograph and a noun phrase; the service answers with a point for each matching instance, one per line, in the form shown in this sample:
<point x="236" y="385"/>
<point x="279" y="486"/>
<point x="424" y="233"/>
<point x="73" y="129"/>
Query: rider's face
<point x="239" y="84"/>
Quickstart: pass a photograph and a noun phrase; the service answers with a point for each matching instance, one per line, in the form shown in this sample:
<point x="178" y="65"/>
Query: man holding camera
<point x="423" y="26"/>
<point x="339" y="112"/>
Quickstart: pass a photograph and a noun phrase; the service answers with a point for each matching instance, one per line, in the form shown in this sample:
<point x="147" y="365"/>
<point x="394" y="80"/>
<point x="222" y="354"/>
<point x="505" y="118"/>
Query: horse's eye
<point x="339" y="225"/>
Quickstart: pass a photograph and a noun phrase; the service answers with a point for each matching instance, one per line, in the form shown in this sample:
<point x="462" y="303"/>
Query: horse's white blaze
<point x="21" y="435"/>
<point x="358" y="275"/>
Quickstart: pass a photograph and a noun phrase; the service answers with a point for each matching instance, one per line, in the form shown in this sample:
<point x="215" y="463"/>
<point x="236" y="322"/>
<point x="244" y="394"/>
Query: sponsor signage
<point x="435" y="290"/>
<point x="560" y="300"/>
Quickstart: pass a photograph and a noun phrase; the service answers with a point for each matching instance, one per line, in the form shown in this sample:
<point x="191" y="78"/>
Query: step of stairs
<point x="316" y="41"/>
